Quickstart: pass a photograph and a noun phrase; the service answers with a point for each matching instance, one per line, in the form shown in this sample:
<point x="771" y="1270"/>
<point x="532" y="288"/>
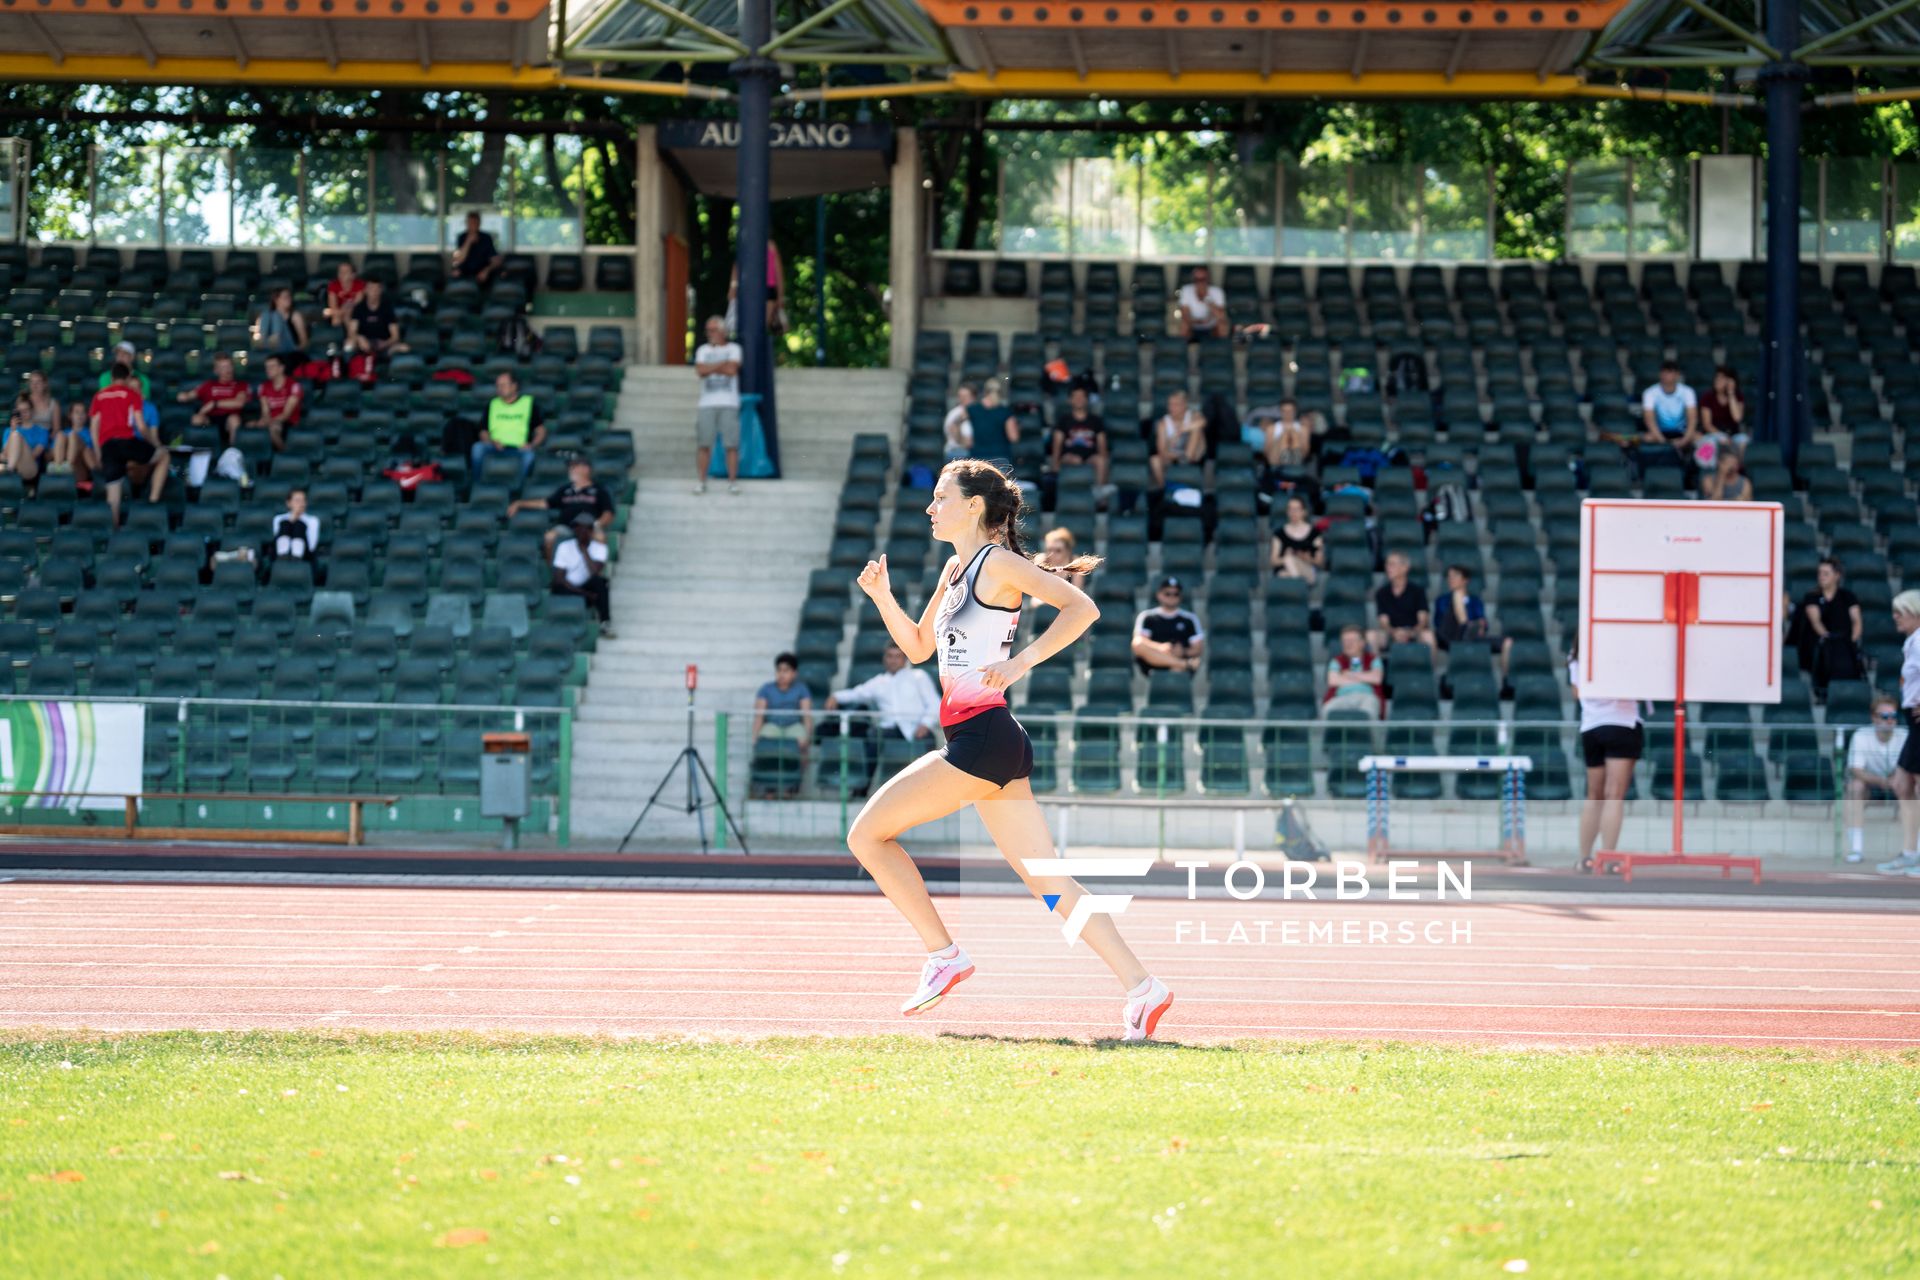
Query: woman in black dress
<point x="1298" y="548"/>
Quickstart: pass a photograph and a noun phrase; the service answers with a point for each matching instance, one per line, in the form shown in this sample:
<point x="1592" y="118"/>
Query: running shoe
<point x="942" y="974"/>
<point x="1144" y="1011"/>
<point x="1901" y="865"/>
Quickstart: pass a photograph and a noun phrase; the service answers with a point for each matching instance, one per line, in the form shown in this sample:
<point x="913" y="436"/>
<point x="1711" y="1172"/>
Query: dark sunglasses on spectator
<point x="1886" y="715"/>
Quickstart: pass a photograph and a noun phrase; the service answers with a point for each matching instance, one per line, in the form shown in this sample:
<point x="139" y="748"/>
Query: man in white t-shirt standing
<point x="717" y="363"/>
<point x="1203" y="308"/>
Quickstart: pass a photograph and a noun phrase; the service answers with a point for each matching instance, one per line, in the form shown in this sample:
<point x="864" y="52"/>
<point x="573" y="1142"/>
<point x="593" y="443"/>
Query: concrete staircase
<point x="715" y="580"/>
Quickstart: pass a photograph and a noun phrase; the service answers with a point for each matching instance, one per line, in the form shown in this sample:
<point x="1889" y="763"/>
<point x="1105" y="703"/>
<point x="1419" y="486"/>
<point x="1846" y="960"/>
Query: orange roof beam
<point x="1221" y="15"/>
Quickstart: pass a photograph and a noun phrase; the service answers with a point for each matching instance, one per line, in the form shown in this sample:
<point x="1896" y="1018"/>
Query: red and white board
<point x="1631" y="608"/>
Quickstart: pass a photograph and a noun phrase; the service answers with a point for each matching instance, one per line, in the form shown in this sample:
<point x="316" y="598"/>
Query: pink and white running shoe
<point x="942" y="974"/>
<point x="1144" y="1010"/>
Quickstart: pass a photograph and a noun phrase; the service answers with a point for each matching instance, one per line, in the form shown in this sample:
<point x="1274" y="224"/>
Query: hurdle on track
<point x="1379" y="771"/>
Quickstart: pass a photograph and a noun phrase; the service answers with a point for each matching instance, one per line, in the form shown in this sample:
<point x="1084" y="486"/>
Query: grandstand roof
<point x="1692" y="33"/>
<point x="1357" y="48"/>
<point x="358" y="43"/>
<point x="988" y="48"/>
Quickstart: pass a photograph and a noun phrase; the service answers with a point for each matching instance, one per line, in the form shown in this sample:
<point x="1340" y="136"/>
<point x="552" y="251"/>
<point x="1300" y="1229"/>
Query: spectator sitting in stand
<point x="1202" y="308"/>
<point x="1299" y="549"/>
<point x="958" y="429"/>
<point x="126" y="353"/>
<point x="578" y="496"/>
<point x="580" y="569"/>
<point x="1669" y="420"/>
<point x="1057" y="552"/>
<point x="73" y="448"/>
<point x="903" y="695"/>
<point x="1401" y="606"/>
<point x="1460" y="618"/>
<point x="783" y="708"/>
<point x="43" y="410"/>
<point x="281" y="330"/>
<point x="992" y="426"/>
<point x="28" y="447"/>
<point x="1168" y="637"/>
<point x="281" y="401"/>
<point x="1721" y="476"/>
<point x="513" y="429"/>
<point x="343" y="294"/>
<point x="1080" y="438"/>
<point x="296" y="533"/>
<point x="475" y="257"/>
<point x="373" y="328"/>
<point x="222" y="399"/>
<point x="1354" y="678"/>
<point x="129" y="447"/>
<point x="1872" y="756"/>
<point x="1280" y="435"/>
<point x="1179" y="436"/>
<point x="1723" y="410"/>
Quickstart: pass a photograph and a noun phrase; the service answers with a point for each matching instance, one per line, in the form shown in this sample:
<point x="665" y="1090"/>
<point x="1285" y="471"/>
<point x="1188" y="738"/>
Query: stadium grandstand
<point x="1460" y="404"/>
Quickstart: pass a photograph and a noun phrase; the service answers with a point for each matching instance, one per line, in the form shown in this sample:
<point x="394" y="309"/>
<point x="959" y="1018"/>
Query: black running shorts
<point x="1612" y="742"/>
<point x="1910" y="751"/>
<point x="117" y="455"/>
<point x="991" y="745"/>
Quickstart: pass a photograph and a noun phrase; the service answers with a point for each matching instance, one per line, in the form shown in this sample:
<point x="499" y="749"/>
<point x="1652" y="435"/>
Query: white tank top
<point x="969" y="635"/>
<point x="1595" y="713"/>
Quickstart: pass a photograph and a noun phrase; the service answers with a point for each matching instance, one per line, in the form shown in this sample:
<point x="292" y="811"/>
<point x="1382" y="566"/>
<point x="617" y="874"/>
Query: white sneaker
<point x="700" y="489"/>
<point x="941" y="975"/>
<point x="734" y="489"/>
<point x="1144" y="1011"/>
<point x="1899" y="866"/>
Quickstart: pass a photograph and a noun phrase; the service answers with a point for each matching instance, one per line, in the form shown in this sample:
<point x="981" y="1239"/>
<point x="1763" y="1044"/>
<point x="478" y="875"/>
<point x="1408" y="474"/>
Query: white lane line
<point x="987" y="1025"/>
<point x="402" y="888"/>
<point x="1494" y="926"/>
<point x="1502" y="940"/>
<point x="1187" y="998"/>
<point x="1208" y="975"/>
<point x="1295" y="952"/>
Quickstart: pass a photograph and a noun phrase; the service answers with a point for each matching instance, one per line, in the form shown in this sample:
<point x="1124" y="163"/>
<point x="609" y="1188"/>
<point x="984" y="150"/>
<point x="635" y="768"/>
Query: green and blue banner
<point x="58" y="749"/>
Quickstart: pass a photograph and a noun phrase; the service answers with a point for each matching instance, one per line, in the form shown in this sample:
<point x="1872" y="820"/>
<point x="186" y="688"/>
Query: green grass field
<point x="341" y="1155"/>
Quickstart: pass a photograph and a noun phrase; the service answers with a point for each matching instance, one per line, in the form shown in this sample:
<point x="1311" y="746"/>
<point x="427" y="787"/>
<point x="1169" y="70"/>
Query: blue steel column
<point x="1785" y="410"/>
<point x="755" y="76"/>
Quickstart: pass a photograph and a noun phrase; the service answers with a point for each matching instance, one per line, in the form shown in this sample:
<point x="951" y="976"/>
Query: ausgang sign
<point x="787" y="135"/>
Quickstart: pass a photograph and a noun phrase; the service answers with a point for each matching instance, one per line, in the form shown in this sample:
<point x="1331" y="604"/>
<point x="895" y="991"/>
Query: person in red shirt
<point x="127" y="446"/>
<point x="222" y="397"/>
<point x="343" y="294"/>
<point x="281" y="400"/>
<point x="1355" y="677"/>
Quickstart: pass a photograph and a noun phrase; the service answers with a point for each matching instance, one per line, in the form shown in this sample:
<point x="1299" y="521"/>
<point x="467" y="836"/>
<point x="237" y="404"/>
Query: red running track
<point x="151" y="957"/>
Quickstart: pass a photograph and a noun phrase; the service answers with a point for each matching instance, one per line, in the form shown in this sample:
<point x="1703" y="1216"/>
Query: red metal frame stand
<point x="1682" y="608"/>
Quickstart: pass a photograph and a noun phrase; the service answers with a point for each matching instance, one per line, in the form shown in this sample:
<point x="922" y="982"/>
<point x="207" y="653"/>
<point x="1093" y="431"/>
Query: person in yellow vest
<point x="513" y="426"/>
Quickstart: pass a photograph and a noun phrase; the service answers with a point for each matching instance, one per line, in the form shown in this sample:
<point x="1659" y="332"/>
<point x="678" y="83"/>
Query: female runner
<point x="970" y="622"/>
